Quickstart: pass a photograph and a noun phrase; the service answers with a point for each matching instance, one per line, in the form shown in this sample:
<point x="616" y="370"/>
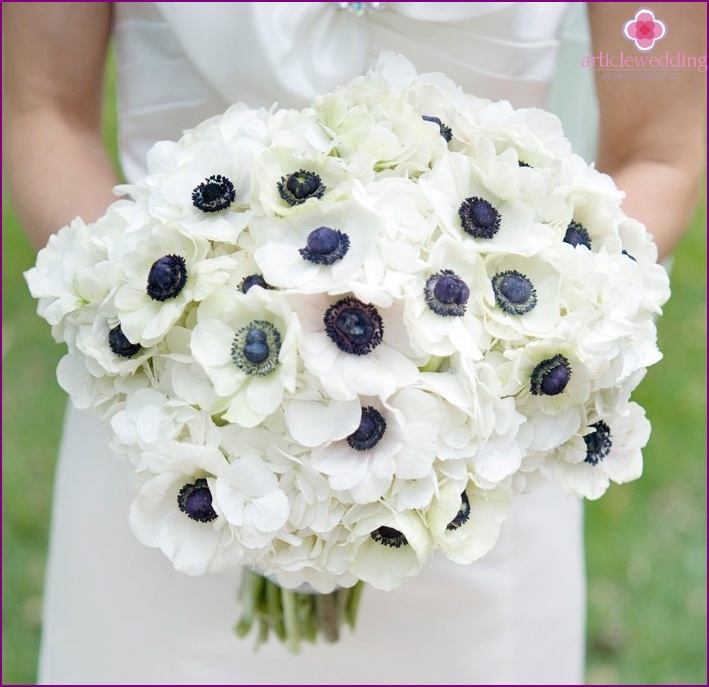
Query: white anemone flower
<point x="165" y="273"/>
<point x="608" y="450"/>
<point x="522" y="298"/>
<point x="386" y="548"/>
<point x="465" y="525"/>
<point x="248" y="495"/>
<point x="441" y="311"/>
<point x="204" y="190"/>
<point x="396" y="438"/>
<point x="322" y="250"/>
<point x="468" y="210"/>
<point x="176" y="511"/>
<point x="289" y="181"/>
<point x="550" y="385"/>
<point x="353" y="347"/>
<point x="247" y="346"/>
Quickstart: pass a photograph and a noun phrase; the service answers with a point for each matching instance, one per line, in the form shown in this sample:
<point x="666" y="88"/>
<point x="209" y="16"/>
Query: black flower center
<point x="463" y="514"/>
<point x="195" y="501"/>
<point x="520" y="163"/>
<point x="598" y="443"/>
<point x="167" y="277"/>
<point x="479" y="218"/>
<point x="445" y="130"/>
<point x="446" y="293"/>
<point x="296" y="188"/>
<point x="370" y="431"/>
<point x="355" y="327"/>
<point x="325" y="246"/>
<point x="251" y="281"/>
<point x="215" y="193"/>
<point x="577" y="235"/>
<point x="255" y="348"/>
<point x="551" y="376"/>
<point x="120" y="345"/>
<point x="514" y="292"/>
<point x="388" y="536"/>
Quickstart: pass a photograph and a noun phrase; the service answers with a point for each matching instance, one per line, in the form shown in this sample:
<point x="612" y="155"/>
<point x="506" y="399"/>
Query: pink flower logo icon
<point x="644" y="29"/>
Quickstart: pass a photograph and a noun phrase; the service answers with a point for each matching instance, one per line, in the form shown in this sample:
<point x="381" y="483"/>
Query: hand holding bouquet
<point x="335" y="342"/>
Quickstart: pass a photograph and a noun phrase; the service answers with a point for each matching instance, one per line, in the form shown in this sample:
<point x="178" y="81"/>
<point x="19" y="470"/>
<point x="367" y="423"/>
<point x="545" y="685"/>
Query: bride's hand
<point x="651" y="128"/>
<point x="54" y="156"/>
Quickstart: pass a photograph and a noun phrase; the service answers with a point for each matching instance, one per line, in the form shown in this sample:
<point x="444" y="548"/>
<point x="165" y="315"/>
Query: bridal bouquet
<point x="337" y="341"/>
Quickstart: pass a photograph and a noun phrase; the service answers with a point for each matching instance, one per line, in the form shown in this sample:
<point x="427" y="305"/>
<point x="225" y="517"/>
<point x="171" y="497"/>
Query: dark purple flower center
<point x="298" y="187"/>
<point x="479" y="218"/>
<point x="251" y="281"/>
<point x="551" y="376"/>
<point x="370" y="431"/>
<point x="120" y="345"/>
<point x="598" y="443"/>
<point x="388" y="536"/>
<point x="463" y="514"/>
<point x="325" y="246"/>
<point x="195" y="501"/>
<point x="167" y="277"/>
<point x="354" y="327"/>
<point x="255" y="348"/>
<point x="446" y="293"/>
<point x="444" y="130"/>
<point x="577" y="235"/>
<point x="514" y="292"/>
<point x="214" y="194"/>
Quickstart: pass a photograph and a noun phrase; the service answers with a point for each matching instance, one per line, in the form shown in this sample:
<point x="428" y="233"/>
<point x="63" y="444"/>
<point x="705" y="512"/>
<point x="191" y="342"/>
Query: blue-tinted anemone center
<point x="167" y="277"/>
<point x="195" y="501"/>
<point x="577" y="235"/>
<point x="514" y="292"/>
<point x="119" y="344"/>
<point x="325" y="246"/>
<point x="388" y="536"/>
<point x="371" y="429"/>
<point x="446" y="293"/>
<point x="255" y="348"/>
<point x="479" y="218"/>
<point x="215" y="193"/>
<point x="551" y="376"/>
<point x="354" y="327"/>
<point x="463" y="514"/>
<point x="252" y="280"/>
<point x="598" y="443"/>
<point x="444" y="130"/>
<point x="299" y="186"/>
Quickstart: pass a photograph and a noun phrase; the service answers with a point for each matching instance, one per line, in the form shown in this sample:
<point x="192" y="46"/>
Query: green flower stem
<point x="433" y="365"/>
<point x="290" y="621"/>
<point x="326" y="612"/>
<point x="294" y="616"/>
<point x="275" y="610"/>
<point x="352" y="605"/>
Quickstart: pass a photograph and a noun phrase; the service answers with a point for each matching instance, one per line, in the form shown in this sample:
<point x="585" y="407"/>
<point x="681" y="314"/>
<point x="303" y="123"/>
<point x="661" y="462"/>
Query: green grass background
<point x="646" y="541"/>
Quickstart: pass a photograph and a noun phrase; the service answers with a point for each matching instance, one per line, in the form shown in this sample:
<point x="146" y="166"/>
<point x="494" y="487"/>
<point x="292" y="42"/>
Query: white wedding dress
<point x="115" y="612"/>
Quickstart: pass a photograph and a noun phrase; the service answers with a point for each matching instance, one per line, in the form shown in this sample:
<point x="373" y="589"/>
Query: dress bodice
<point x="179" y="63"/>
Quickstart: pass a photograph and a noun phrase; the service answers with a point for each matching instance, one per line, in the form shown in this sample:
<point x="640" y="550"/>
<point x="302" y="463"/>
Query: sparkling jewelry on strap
<point x="359" y="9"/>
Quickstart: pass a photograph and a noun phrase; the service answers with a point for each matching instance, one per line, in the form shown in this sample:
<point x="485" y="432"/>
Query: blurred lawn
<point x="646" y="542"/>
